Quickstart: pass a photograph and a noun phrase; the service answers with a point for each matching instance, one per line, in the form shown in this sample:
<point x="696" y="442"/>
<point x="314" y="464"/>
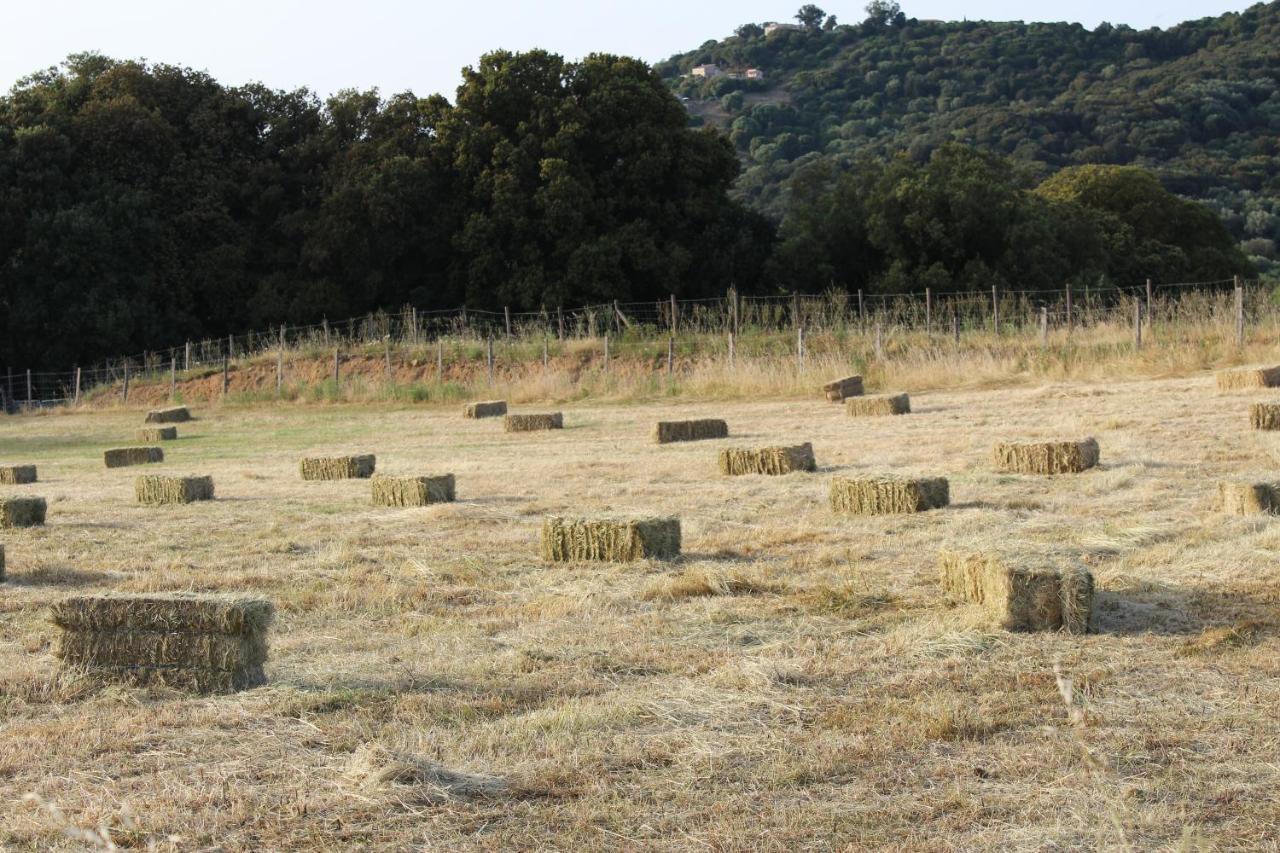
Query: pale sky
<point x="395" y="45"/>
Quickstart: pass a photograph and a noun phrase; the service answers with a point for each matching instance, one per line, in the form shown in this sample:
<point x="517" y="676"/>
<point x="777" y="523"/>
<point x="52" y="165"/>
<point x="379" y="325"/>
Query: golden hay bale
<point x="338" y="467"/>
<point x="1023" y="591"/>
<point x="22" y="512"/>
<point x="888" y="494"/>
<point x="1237" y="498"/>
<point x="172" y="415"/>
<point x="1248" y="377"/>
<point x="610" y="540"/>
<point x="157" y="434"/>
<point x="155" y="490"/>
<point x="165" y="612"/>
<point x="837" y="390"/>
<point x="668" y="431"/>
<point x="412" y="491"/>
<point x="16" y="475"/>
<point x="1264" y="416"/>
<point x="767" y="460"/>
<point x="533" y="423"/>
<point x="122" y="456"/>
<point x="879" y="404"/>
<point x="1045" y="457"/>
<point x="485" y="409"/>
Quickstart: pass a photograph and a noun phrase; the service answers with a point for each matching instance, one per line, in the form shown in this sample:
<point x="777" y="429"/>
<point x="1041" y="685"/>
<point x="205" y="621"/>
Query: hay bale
<point x="838" y="389"/>
<point x="1264" y="416"/>
<point x="16" y="475"/>
<point x="22" y="512"/>
<point x="666" y="432"/>
<point x="412" y="491"/>
<point x="533" y="423"/>
<point x="485" y="409"/>
<point x="154" y="490"/>
<point x="888" y="494"/>
<point x="120" y="457"/>
<point x="338" y="467"/>
<point x="767" y="460"/>
<point x="878" y="404"/>
<point x="1237" y="498"/>
<point x="172" y="415"/>
<point x="1045" y="457"/>
<point x="157" y="434"/>
<point x="610" y="540"/>
<point x="1024" y="591"/>
<point x="1248" y="377"/>
<point x="165" y="612"/>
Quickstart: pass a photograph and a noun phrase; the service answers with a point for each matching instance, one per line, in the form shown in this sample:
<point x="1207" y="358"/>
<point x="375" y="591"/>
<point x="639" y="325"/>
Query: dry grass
<point x="794" y="681"/>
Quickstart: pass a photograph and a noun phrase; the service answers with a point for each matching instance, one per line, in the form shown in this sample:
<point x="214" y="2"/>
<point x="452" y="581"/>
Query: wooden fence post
<point x="1044" y="327"/>
<point x="800" y="348"/>
<point x="546" y="355"/>
<point x="413" y="325"/>
<point x="337" y="367"/>
<point x="1068" y="308"/>
<point x="995" y="310"/>
<point x="226" y="373"/>
<point x="733" y="308"/>
<point x="879" y="343"/>
<point x="671" y="354"/>
<point x="928" y="309"/>
<point x="560" y="320"/>
<point x="231" y="346"/>
<point x="795" y="309"/>
<point x="324" y="324"/>
<point x="489" y="355"/>
<point x="173" y="377"/>
<point x="1137" y="323"/>
<point x="77" y="398"/>
<point x="732" y="336"/>
<point x="506" y="316"/>
<point x="955" y="327"/>
<point x="675" y="322"/>
<point x="606" y="352"/>
<point x="1239" y="313"/>
<point x="126" y="384"/>
<point x="1150" y="320"/>
<point x="862" y="311"/>
<point x="440" y="359"/>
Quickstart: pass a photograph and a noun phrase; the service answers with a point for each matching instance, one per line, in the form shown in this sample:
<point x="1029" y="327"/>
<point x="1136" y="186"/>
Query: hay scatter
<point x="22" y="512"/>
<point x="412" y="491"/>
<point x="666" y="432"/>
<point x="885" y="495"/>
<point x="338" y="467"/>
<point x="1238" y="498"/>
<point x="533" y="423"/>
<point x="838" y="389"/>
<point x="17" y="475"/>
<point x="156" y="490"/>
<point x="1248" y="377"/>
<point x="768" y="460"/>
<point x="1023" y="591"/>
<point x="121" y="457"/>
<point x="1045" y="457"/>
<point x="157" y="434"/>
<point x="485" y="409"/>
<point x="610" y="540"/>
<point x="878" y="404"/>
<point x="171" y="415"/>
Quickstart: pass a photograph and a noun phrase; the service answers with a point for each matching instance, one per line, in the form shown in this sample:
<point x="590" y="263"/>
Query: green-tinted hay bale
<point x="121" y="457"/>
<point x="1237" y="498"/>
<point x="1022" y="591"/>
<point x="878" y="404"/>
<point x="1264" y="416"/>
<point x="533" y="423"/>
<point x="172" y="415"/>
<point x="412" y="491"/>
<point x="155" y="490"/>
<point x="888" y="494"/>
<point x="1248" y="377"/>
<point x="17" y="475"/>
<point x="22" y="512"/>
<point x="1045" y="457"/>
<point x="610" y="540"/>
<point x="767" y="460"/>
<point x="485" y="409"/>
<point x="666" y="432"/>
<point x="157" y="434"/>
<point x="839" y="389"/>
<point x="165" y="612"/>
<point x="338" y="467"/>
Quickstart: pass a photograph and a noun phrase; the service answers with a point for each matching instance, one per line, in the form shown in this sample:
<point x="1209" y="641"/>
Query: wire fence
<point x="1232" y="302"/>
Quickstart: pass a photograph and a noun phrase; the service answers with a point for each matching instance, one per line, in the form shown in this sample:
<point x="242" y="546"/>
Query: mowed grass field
<point x="794" y="681"/>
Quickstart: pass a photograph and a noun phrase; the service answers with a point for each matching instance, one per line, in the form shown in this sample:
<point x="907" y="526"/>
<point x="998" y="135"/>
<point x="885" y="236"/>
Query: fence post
<point x="413" y="325"/>
<point x="617" y="318"/>
<point x="995" y="310"/>
<point x="955" y="327"/>
<point x="928" y="309"/>
<point x="506" y="316"/>
<point x="1137" y="323"/>
<point x="732" y="336"/>
<point x="440" y="359"/>
<point x="546" y="356"/>
<point x="173" y="377"/>
<point x="77" y="399"/>
<point x="186" y="359"/>
<point x="126" y="384"/>
<point x="674" y="315"/>
<point x="560" y="320"/>
<point x="671" y="354"/>
<point x="1239" y="313"/>
<point x="337" y="361"/>
<point x="879" y="343"/>
<point x="1150" y="320"/>
<point x="226" y="377"/>
<point x="799" y="348"/>
<point x="231" y="346"/>
<point x="862" y="312"/>
<point x="324" y="324"/>
<point x="733" y="307"/>
<point x="386" y="353"/>
<point x="606" y="352"/>
<point x="489" y="353"/>
<point x="795" y="309"/>
<point x="1044" y="327"/>
<point x="1068" y="308"/>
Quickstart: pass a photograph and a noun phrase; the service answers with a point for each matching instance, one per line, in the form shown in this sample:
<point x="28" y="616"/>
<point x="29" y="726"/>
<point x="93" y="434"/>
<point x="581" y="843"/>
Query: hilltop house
<point x="708" y="71"/>
<point x="774" y="27"/>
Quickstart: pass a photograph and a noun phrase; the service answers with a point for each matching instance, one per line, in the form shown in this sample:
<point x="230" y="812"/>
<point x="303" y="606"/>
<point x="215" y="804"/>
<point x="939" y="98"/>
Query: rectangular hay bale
<point x="412" y="491"/>
<point x="171" y="415"/>
<point x="485" y="409"/>
<point x="17" y="475"/>
<point x="1264" y="416"/>
<point x="666" y="432"/>
<point x="767" y="460"/>
<point x="1045" y="457"/>
<point x="838" y="389"/>
<point x="878" y="404"/>
<point x="610" y="540"/>
<point x="533" y="423"/>
<point x="22" y="512"/>
<point x="888" y="494"/>
<point x="221" y="652"/>
<point x="338" y="467"/>
<point x="1022" y="591"/>
<point x="1238" y="498"/>
<point x="165" y="612"/>
<point x="156" y="490"/>
<point x="1248" y="377"/>
<point x="157" y="434"/>
<point x="121" y="457"/>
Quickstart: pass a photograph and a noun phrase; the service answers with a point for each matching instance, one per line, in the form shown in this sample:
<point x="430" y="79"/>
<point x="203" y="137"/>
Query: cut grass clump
<point x="610" y="540"/>
<point x="412" y="491"/>
<point x="697" y="583"/>
<point x="1264" y="416"/>
<point x="203" y="643"/>
<point x="1248" y="377"/>
<point x="338" y="467"/>
<point x="17" y="475"/>
<point x="879" y="404"/>
<point x="837" y="390"/>
<point x="768" y="460"/>
<point x="533" y="423"/>
<point x="172" y="415"/>
<point x="22" y="512"/>
<point x="1045" y="457"/>
<point x="668" y="431"/>
<point x="157" y="434"/>
<point x="888" y="495"/>
<point x="485" y="409"/>
<point x="155" y="490"/>
<point x="1237" y="498"/>
<point x="121" y="457"/>
<point x="1022" y="591"/>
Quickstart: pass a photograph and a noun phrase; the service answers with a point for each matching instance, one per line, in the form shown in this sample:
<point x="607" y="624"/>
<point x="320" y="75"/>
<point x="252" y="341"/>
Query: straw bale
<point x="412" y="491"/>
<point x="533" y="423"/>
<point x="610" y="540"/>
<point x="172" y="415"/>
<point x="1045" y="457"/>
<point x="157" y="434"/>
<point x="767" y="460"/>
<point x="22" y="512"/>
<point x="155" y="489"/>
<point x="837" y="390"/>
<point x="668" y="431"/>
<point x="165" y="612"/>
<point x="338" y="467"/>
<point x="888" y="494"/>
<point x="485" y="409"/>
<point x="120" y="457"/>
<point x="16" y="475"/>
<point x="221" y="652"/>
<point x="1264" y="416"/>
<point x="878" y="404"/>
<point x="1023" y="591"/>
<point x="1248" y="377"/>
<point x="1238" y="498"/>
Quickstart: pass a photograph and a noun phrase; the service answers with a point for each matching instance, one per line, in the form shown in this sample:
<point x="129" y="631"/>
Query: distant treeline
<point x="144" y="205"/>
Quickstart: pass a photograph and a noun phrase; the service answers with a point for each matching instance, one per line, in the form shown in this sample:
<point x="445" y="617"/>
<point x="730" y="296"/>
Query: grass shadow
<point x="55" y="576"/>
